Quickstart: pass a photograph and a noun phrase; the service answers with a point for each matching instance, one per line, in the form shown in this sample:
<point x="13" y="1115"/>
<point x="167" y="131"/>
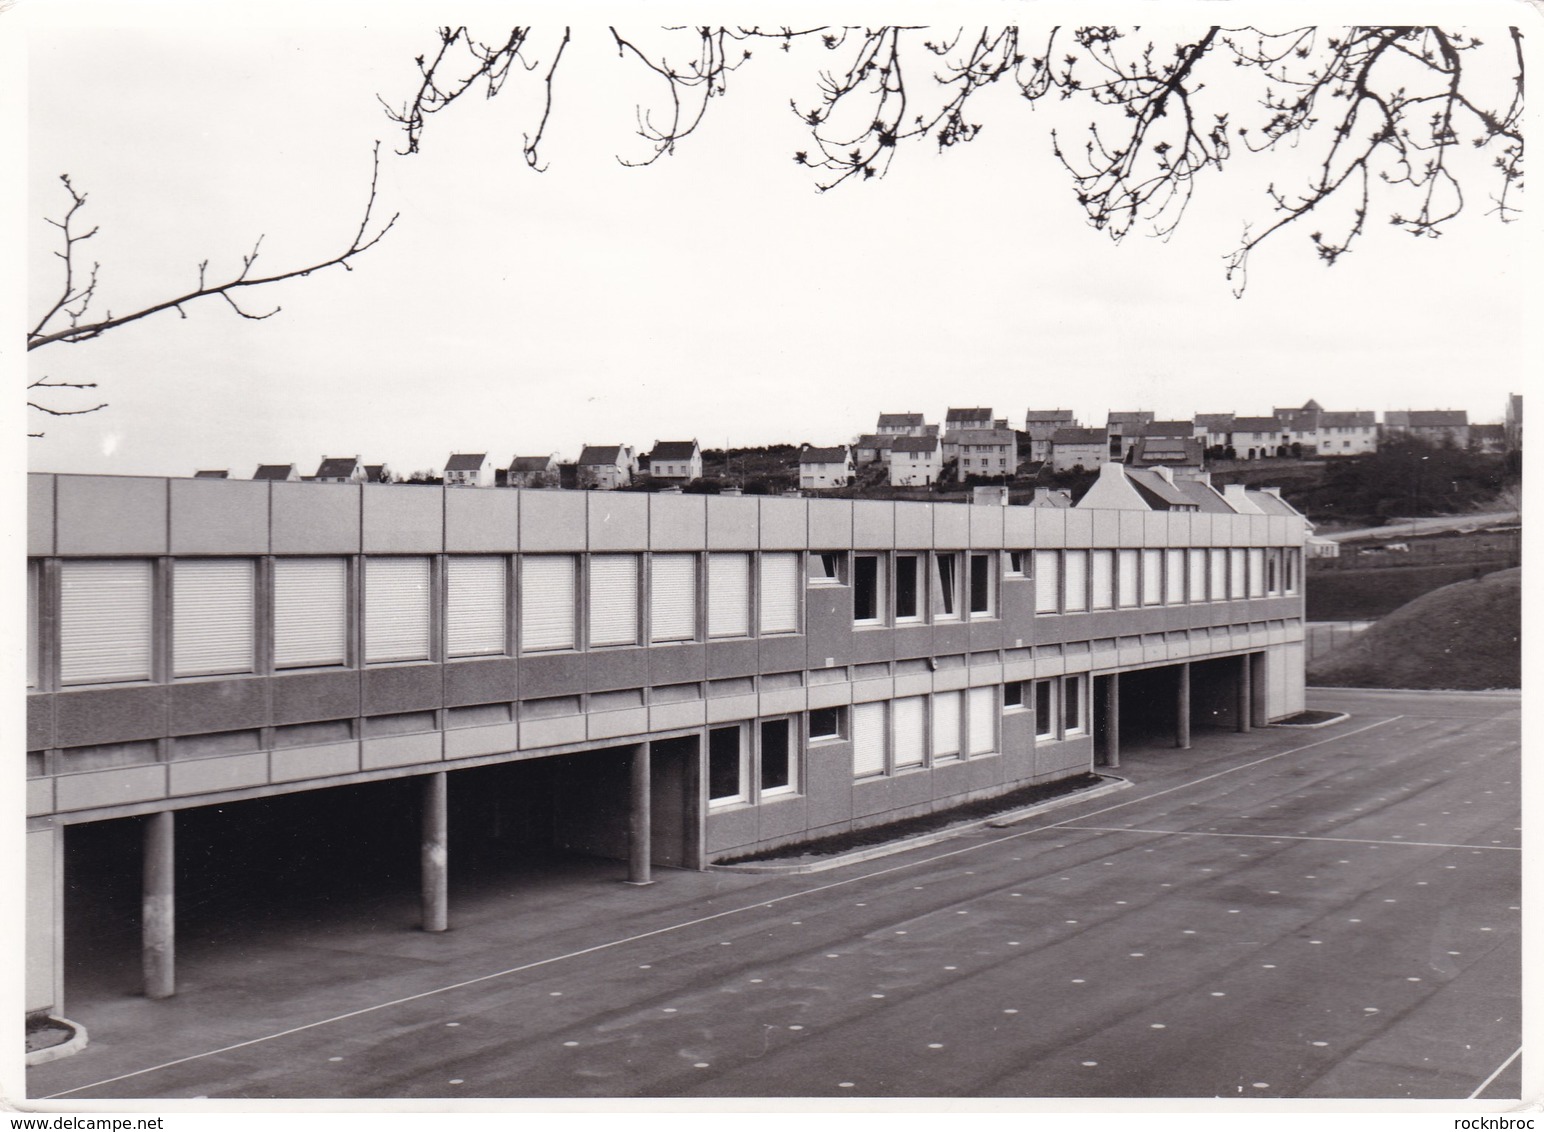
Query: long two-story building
<point x="662" y="680"/>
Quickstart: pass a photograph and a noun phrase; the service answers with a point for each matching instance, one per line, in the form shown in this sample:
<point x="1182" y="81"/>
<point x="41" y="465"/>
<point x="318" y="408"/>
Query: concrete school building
<point x="220" y="669"/>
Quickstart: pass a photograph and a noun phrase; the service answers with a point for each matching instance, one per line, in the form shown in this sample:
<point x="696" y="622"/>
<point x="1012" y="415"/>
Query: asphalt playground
<point x="1328" y="913"/>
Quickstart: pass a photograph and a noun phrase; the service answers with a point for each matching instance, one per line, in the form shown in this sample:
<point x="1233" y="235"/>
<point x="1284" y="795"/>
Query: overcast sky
<point x="714" y="294"/>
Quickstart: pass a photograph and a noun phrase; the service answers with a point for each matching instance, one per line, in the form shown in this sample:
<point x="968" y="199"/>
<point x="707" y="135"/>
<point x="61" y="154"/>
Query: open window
<point x="867" y="589"/>
<point x="983" y="586"/>
<point x="908" y="588"/>
<point x="727" y="756"/>
<point x="828" y="568"/>
<point x="778" y="766"/>
<point x="1045" y="709"/>
<point x="946" y="587"/>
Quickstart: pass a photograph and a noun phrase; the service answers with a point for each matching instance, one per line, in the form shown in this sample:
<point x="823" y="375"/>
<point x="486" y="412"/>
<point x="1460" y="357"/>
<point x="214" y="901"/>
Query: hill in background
<point x="1463" y="636"/>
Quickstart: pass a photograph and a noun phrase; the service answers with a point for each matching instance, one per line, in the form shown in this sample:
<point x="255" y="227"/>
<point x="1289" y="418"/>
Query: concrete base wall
<point x="45" y="921"/>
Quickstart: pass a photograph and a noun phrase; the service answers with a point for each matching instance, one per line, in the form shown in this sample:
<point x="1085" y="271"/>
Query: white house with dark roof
<point x="679" y="461"/>
<point x="958" y="420"/>
<point x="1079" y="449"/>
<point x="533" y="471"/>
<point x="277" y="473"/>
<point x="1041" y="425"/>
<point x="900" y="424"/>
<point x="1435" y="425"/>
<point x="872" y="448"/>
<point x="606" y="466"/>
<point x="469" y="469"/>
<point x="1122" y="429"/>
<point x="915" y="461"/>
<point x="1182" y="455"/>
<point x="824" y="468"/>
<point x="339" y="469"/>
<point x="987" y="452"/>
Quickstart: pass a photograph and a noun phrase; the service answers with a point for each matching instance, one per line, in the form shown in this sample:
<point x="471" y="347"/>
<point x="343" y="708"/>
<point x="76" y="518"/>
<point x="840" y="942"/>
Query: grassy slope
<point x="1463" y="636"/>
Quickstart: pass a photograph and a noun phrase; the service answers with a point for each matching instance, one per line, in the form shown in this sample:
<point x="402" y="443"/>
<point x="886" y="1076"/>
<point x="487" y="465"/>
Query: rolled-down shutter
<point x="868" y="739"/>
<point x="1126" y="579"/>
<point x="729" y="595"/>
<point x="946" y="724"/>
<point x="104" y="621"/>
<point x="908" y="720"/>
<point x="613" y="599"/>
<point x="547" y="602"/>
<point x="1196" y="574"/>
<point x="1217" y="574"/>
<point x="310" y="612"/>
<point x="1047" y="581"/>
<point x="983" y="720"/>
<point x="475" y="603"/>
<point x="1174" y="577"/>
<point x="396" y="609"/>
<point x="673" y="597"/>
<point x="779" y="599"/>
<point x="1076" y="588"/>
<point x="213" y="610"/>
<point x="1256" y="571"/>
<point x="1237" y="573"/>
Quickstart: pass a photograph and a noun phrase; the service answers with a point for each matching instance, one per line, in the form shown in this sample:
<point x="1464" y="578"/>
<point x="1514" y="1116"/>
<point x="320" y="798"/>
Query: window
<point x="983" y="585"/>
<point x="1075" y="582"/>
<point x="1257" y="571"/>
<point x="729" y="595"/>
<point x="779" y="594"/>
<point x="1152" y="578"/>
<point x="867" y="588"/>
<point x="1103" y="577"/>
<point x="1126" y="578"/>
<point x="983" y="720"/>
<point x="946" y="593"/>
<point x="1017" y="564"/>
<point x="32" y="624"/>
<point x="777" y="761"/>
<point x="908" y="720"/>
<point x="1072" y="704"/>
<point x="310" y="612"/>
<point x="104" y="620"/>
<point x="826" y="567"/>
<point x="396" y="609"/>
<point x="1237" y="571"/>
<point x="826" y="723"/>
<point x="726" y="765"/>
<point x="673" y="597"/>
<point x="868" y="739"/>
<point x="946" y="725"/>
<point x="613" y="599"/>
<point x="1291" y="566"/>
<point x="1195" y="559"/>
<point x="1174" y="577"/>
<point x="907" y="573"/>
<point x="1013" y="695"/>
<point x="1217" y="574"/>
<point x="476" y="593"/>
<point x="1273" y="571"/>
<point x="1047" y="581"/>
<point x="547" y="601"/>
<point x="1045" y="709"/>
<point x="214" y="612"/>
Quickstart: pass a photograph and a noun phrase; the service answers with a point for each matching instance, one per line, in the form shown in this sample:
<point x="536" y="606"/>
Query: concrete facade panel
<point x="40" y="722"/>
<point x="678" y="664"/>
<point x="618" y="520"/>
<point x="732" y="523"/>
<point x="44" y="921"/>
<point x="872" y="796"/>
<point x="295" y="763"/>
<point x="1050" y="527"/>
<point x="401" y="520"/>
<point x="911" y="641"/>
<point x="217" y="705"/>
<point x="785" y="816"/>
<point x="950" y="778"/>
<point x="552" y="521"/>
<point x="110" y="515"/>
<point x="828" y="624"/>
<point x="782" y="652"/>
<point x="1064" y="757"/>
<point x="1019" y="527"/>
<point x="314" y="518"/>
<point x="731" y="828"/>
<point x="40" y="796"/>
<point x="1106" y="527"/>
<point x="552" y="674"/>
<point x="986" y="772"/>
<point x="732" y="658"/>
<point x="557" y="732"/>
<point x="109" y="787"/>
<point x="728" y="709"/>
<point x="985" y="675"/>
<point x="873" y="524"/>
<point x="305" y="697"/>
<point x="482" y="522"/>
<point x="951" y="527"/>
<point x="495" y="739"/>
<point x="490" y="681"/>
<point x="784" y="524"/>
<point x="394" y="688"/>
<point x="678" y="522"/>
<point x="830" y="525"/>
<point x="1080" y="526"/>
<point x="612" y="724"/>
<point x="219" y="516"/>
<point x="914" y="684"/>
<point x="672" y="717"/>
<point x="784" y="702"/>
<point x="828" y="782"/>
<point x="951" y="637"/>
<point x="610" y="669"/>
<point x="40" y="515"/>
<point x="867" y="691"/>
<point x="109" y="715"/>
<point x="1133" y="528"/>
<point x="987" y="634"/>
<point x="986" y="526"/>
<point x="1155" y="528"/>
<point x="399" y="750"/>
<point x="829" y="695"/>
<point x="202" y="776"/>
<point x="950" y="679"/>
<point x="913" y="525"/>
<point x="871" y="646"/>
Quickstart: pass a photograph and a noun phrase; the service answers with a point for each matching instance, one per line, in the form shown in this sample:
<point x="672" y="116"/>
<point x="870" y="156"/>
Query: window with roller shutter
<point x="1216" y="574"/>
<point x="779" y="592"/>
<point x="310" y="612"/>
<point x="547" y="601"/>
<point x="983" y="720"/>
<point x="1103" y="573"/>
<point x="729" y="595"/>
<point x="476" y="598"/>
<point x="613" y="599"/>
<point x="104" y="620"/>
<point x="1047" y="581"/>
<point x="946" y="725"/>
<point x="868" y="739"/>
<point x="1075" y="581"/>
<point x="908" y="719"/>
<point x="673" y="597"/>
<point x="214" y="603"/>
<point x="1174" y="577"/>
<point x="396" y="609"/>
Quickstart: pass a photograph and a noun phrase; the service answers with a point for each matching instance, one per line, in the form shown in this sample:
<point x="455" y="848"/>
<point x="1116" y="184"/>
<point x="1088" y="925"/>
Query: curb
<point x="1339" y="717"/>
<point x="1495" y="692"/>
<point x="73" y="1045"/>
<point x="996" y="821"/>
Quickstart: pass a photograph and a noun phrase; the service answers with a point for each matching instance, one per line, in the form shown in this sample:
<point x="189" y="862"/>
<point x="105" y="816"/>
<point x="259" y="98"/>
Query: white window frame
<point x="411" y="652"/>
<point x="568" y="628"/>
<point x="990" y="560"/>
<point x="919" y="588"/>
<point x="1075" y="599"/>
<point x="214" y="603"/>
<point x="599" y="569"/>
<point x="665" y="572"/>
<point x="792" y="731"/>
<point x="1072" y="690"/>
<point x="77" y="577"/>
<point x="770" y="582"/>
<point x="490" y="639"/>
<point x="743" y="753"/>
<point x="881" y="565"/>
<point x="1048" y="581"/>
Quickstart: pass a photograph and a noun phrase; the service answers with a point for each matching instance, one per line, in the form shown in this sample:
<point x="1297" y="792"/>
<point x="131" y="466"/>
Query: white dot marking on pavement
<point x="457" y="1081"/>
<point x="1157" y="1026"/>
<point x="1262" y="1085"/>
<point x="876" y="996"/>
<point x="1353" y="920"/>
<point x="1269" y="966"/>
<point x="644" y="966"/>
<point x="1010" y="1010"/>
<point x="1219" y="994"/>
<point x="1080" y="980"/>
<point x="935" y="1045"/>
<point x="570" y="1043"/>
<point x="951" y="968"/>
<point x="452" y="1023"/>
<point x="1070" y="921"/>
<point x="1138" y="954"/>
<point x="1090" y="1064"/>
<point x="555" y="994"/>
<point x="832" y="955"/>
<point x="900" y="931"/>
<point x="334" y="1059"/>
<point x="669" y="1009"/>
<point x="844" y="1084"/>
<point x="1320" y="1043"/>
<point x="755" y="980"/>
<point x="1412" y="978"/>
<point x="1369" y="1010"/>
<point x="1013" y="943"/>
<point x="1189" y="931"/>
<point x="1316" y="941"/>
<point x="700" y="1065"/>
<point x="796" y="1027"/>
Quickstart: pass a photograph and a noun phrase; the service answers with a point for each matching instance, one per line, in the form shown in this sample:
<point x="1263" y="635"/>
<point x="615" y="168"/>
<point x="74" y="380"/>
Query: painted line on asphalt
<point x="760" y="904"/>
<point x="1291" y="837"/>
<point x="1499" y="1070"/>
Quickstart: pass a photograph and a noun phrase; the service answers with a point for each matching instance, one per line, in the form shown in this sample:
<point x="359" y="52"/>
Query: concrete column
<point x="1182" y="708"/>
<point x="1245" y="699"/>
<point x="1112" y="720"/>
<point x="158" y="919"/>
<point x="1259" y="710"/>
<point x="434" y="854"/>
<point x="639" y="830"/>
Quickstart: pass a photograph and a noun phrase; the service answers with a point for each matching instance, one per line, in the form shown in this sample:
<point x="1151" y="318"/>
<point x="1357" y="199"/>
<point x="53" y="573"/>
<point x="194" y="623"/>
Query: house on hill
<point x="1122" y="430"/>
<point x="1079" y="449"/>
<point x="1041" y="425"/>
<point x="900" y="424"/>
<point x="823" y="468"/>
<point x="469" y="469"/>
<point x="339" y="469"/>
<point x="915" y="461"/>
<point x="606" y="466"/>
<point x="874" y="448"/>
<point x="677" y="461"/>
<point x="1434" y="425"/>
<point x="987" y="452"/>
<point x="1182" y="455"/>
<point x="532" y="471"/>
<point x="277" y="473"/>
